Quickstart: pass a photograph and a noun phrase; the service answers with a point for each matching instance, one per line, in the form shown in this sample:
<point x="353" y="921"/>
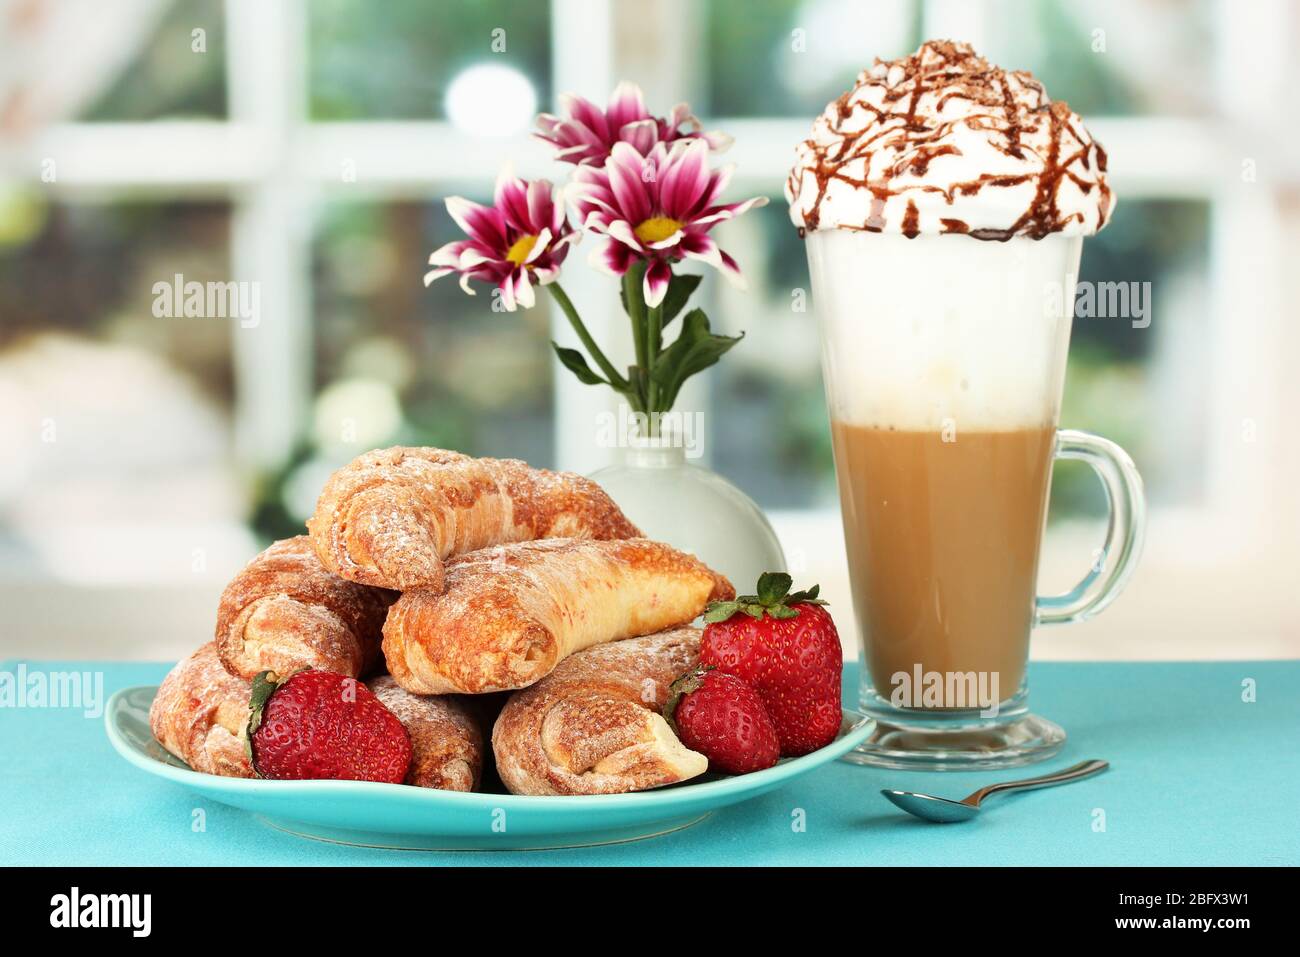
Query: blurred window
<point x="465" y="377"/>
<point x="784" y="58"/>
<point x="115" y="404"/>
<point x="178" y="72"/>
<point x="357" y="330"/>
<point x="1110" y="57"/>
<point x="404" y="63"/>
<point x="89" y="270"/>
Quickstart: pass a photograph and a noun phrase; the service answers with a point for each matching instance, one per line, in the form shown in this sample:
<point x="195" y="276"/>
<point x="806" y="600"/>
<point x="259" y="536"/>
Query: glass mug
<point x="944" y="362"/>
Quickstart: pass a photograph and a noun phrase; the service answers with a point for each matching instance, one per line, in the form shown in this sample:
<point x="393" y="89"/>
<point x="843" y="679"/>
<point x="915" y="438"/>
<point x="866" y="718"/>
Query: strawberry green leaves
<point x="265" y="684"/>
<point x="773" y="598"/>
<point x="680" y="688"/>
<point x="773" y="586"/>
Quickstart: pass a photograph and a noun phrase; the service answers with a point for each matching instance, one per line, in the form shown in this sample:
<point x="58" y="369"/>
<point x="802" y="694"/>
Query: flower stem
<point x="654" y="344"/>
<point x="566" y="304"/>
<point x="635" y="303"/>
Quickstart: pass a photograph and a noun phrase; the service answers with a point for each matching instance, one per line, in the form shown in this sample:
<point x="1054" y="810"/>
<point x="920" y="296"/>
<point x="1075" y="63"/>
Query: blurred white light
<point x="302" y="486"/>
<point x="491" y="100"/>
<point x="355" y="415"/>
<point x="834" y="30"/>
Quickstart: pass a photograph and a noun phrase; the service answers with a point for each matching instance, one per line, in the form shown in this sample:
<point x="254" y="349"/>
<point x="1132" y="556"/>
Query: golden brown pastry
<point x="593" y="725"/>
<point x="285" y="612"/>
<point x="510" y="614"/>
<point x="391" y="517"/>
<point x="200" y="715"/>
<point x="446" y="739"/>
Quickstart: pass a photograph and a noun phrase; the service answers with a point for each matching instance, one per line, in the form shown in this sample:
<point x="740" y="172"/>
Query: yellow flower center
<point x="656" y="229"/>
<point x="518" y="253"/>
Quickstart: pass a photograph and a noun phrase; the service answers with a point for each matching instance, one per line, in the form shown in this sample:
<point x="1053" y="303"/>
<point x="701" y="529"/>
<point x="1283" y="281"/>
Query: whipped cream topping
<point x="942" y="142"/>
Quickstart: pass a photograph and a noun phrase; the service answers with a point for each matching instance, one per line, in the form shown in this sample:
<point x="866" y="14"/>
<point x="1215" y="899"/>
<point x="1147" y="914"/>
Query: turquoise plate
<point x="397" y="816"/>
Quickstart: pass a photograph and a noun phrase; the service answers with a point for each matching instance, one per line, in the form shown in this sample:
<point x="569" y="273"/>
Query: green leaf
<point x="680" y="289"/>
<point x="808" y="597"/>
<point x="695" y="349"/>
<point x="576" y="363"/>
<point x="264" y="685"/>
<point x="773" y="599"/>
<point x="685" y="684"/>
<point x="720" y="611"/>
<point x="773" y="586"/>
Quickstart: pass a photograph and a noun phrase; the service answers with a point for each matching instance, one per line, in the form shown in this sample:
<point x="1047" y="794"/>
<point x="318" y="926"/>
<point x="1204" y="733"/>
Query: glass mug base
<point x="911" y="739"/>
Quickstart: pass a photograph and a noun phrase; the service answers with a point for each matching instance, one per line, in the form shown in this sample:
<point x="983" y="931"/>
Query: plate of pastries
<point x="469" y="652"/>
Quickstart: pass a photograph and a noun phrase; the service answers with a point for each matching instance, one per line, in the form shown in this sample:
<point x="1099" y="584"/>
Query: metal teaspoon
<point x="946" y="811"/>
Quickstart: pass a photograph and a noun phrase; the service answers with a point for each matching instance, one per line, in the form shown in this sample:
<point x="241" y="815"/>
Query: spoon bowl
<point x="931" y="808"/>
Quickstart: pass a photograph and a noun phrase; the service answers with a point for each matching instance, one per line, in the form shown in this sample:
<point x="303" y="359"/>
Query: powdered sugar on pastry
<point x="284" y="612"/>
<point x="509" y="614"/>
<point x="200" y="714"/>
<point x="593" y="725"/>
<point x="392" y="516"/>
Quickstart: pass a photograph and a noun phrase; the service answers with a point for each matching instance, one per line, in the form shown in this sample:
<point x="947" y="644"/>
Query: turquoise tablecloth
<point x="1199" y="776"/>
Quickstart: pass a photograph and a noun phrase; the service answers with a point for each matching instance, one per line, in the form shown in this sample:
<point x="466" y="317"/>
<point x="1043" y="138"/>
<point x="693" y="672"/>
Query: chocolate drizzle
<point x="911" y="219"/>
<point x="909" y="135"/>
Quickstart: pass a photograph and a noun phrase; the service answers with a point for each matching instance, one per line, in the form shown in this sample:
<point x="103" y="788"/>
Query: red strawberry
<point x="317" y="724"/>
<point x="723" y="718"/>
<point x="787" y="648"/>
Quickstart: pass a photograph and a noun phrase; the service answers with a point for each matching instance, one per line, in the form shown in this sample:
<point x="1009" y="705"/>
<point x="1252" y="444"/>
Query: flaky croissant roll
<point x="593" y="725"/>
<point x="284" y="612"/>
<point x="391" y="517"/>
<point x="200" y="714"/>
<point x="510" y="614"/>
<point x="446" y="739"/>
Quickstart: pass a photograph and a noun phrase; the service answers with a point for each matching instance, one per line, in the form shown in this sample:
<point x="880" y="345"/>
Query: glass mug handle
<point x="1111" y="569"/>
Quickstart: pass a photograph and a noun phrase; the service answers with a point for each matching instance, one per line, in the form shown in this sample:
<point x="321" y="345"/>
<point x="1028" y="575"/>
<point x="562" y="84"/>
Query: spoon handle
<point x="1081" y="770"/>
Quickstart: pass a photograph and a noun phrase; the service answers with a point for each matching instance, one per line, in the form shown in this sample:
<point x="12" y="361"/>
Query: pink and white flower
<point x="587" y="134"/>
<point x="658" y="208"/>
<point x="520" y="239"/>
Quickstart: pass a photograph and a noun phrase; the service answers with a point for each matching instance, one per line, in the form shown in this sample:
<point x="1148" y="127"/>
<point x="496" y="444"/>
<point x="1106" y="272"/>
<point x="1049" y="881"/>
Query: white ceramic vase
<point x="693" y="509"/>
